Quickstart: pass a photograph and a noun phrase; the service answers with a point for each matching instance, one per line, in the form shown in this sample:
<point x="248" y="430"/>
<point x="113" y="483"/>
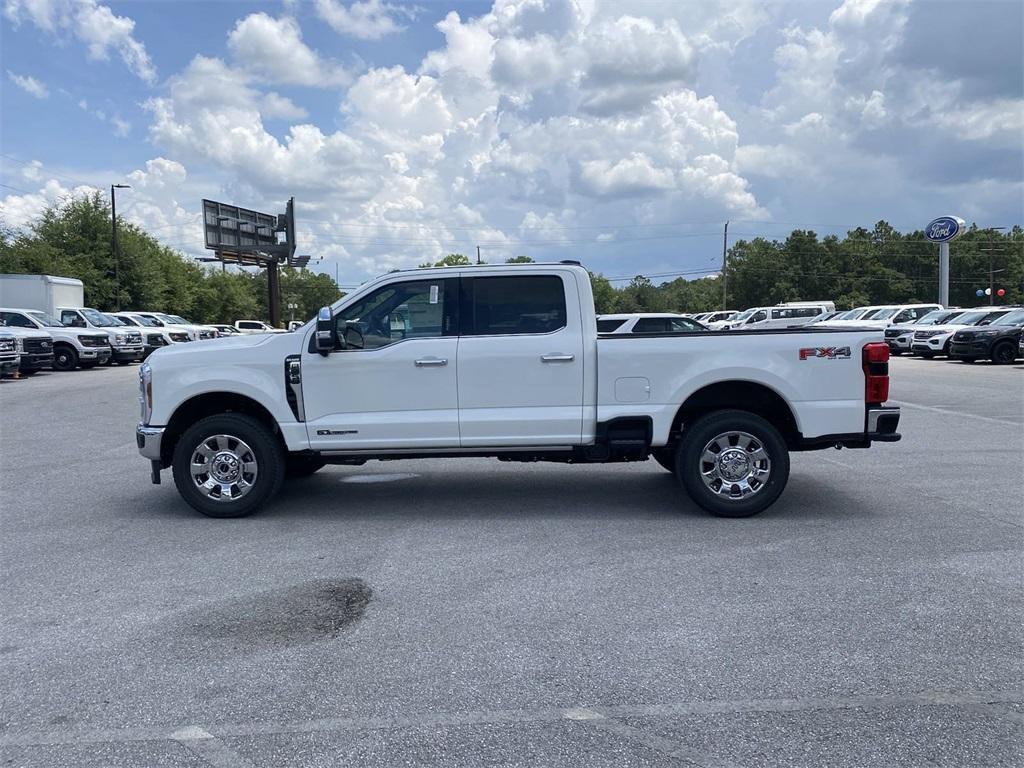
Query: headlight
<point x="8" y="345"/>
<point x="120" y="338"/>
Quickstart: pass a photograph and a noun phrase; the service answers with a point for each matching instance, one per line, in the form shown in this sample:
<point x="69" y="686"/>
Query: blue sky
<point x="620" y="134"/>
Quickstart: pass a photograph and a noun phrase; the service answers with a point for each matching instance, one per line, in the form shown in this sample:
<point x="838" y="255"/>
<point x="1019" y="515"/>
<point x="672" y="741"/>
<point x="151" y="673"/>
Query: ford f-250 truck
<point x="505" y="361"/>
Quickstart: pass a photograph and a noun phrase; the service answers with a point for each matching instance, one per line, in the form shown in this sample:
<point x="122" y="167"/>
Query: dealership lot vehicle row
<point x="494" y="613"/>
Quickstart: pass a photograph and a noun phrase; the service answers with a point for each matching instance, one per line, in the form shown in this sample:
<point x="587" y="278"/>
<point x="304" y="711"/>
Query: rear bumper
<point x="880" y="425"/>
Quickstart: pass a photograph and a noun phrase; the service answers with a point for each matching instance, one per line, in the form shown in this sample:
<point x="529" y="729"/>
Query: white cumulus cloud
<point x="29" y="84"/>
<point x="364" y="19"/>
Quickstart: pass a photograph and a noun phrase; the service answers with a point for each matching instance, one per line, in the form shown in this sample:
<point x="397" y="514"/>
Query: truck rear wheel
<point x="228" y="465"/>
<point x="732" y="463"/>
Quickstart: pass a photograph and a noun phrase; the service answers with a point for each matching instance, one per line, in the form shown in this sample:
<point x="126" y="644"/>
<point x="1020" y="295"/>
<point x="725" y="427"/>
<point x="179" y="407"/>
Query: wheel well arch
<point x="210" y="404"/>
<point x="743" y="395"/>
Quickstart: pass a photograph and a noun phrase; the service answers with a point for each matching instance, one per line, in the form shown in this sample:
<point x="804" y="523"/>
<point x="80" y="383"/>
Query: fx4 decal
<point x="829" y="353"/>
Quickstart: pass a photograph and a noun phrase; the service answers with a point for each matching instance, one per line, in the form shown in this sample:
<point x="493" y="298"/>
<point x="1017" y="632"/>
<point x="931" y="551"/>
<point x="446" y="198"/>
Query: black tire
<point x="703" y="431"/>
<point x="666" y="457"/>
<point x="85" y="365"/>
<point x="895" y="352"/>
<point x="65" y="358"/>
<point x="25" y="373"/>
<point x="1004" y="353"/>
<point x="303" y="466"/>
<point x="267" y="454"/>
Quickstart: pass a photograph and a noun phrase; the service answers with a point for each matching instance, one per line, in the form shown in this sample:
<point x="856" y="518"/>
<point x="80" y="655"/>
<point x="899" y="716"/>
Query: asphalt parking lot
<point x="477" y="613"/>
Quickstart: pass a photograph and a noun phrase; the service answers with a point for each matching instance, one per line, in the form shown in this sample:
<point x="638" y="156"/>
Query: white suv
<point x="256" y="326"/>
<point x="934" y="341"/>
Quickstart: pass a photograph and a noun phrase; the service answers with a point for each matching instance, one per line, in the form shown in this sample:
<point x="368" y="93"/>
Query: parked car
<point x="256" y="326"/>
<point x="899" y="337"/>
<point x="225" y="330"/>
<point x="531" y="381"/>
<point x="898" y="315"/>
<point x="9" y="355"/>
<point x="34" y="348"/>
<point x="783" y="316"/>
<point x="934" y="341"/>
<point x="716" y="320"/>
<point x="647" y="322"/>
<point x="125" y="341"/>
<point x="195" y="331"/>
<point x="72" y="347"/>
<point x="859" y="313"/>
<point x="999" y="341"/>
<point x="155" y="334"/>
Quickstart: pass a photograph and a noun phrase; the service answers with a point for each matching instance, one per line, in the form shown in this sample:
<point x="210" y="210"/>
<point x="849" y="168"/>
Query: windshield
<point x="870" y="314"/>
<point x="885" y="314"/>
<point x="744" y="315"/>
<point x="178" y="319"/>
<point x="1010" y="318"/>
<point x="44" y="319"/>
<point x="937" y="316"/>
<point x="100" y="320"/>
<point x="970" y="318"/>
<point x="149" y="322"/>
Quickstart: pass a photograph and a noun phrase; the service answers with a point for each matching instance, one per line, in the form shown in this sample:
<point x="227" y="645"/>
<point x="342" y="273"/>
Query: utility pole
<point x="113" y="243"/>
<point x="992" y="250"/>
<point x="725" y="275"/>
<point x="478" y="255"/>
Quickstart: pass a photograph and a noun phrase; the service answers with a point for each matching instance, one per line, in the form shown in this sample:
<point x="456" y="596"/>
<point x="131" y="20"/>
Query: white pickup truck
<point x="505" y="361"/>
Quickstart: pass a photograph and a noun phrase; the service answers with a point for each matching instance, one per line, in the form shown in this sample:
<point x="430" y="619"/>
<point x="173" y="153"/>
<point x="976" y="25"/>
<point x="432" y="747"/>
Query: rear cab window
<point x="608" y="326"/>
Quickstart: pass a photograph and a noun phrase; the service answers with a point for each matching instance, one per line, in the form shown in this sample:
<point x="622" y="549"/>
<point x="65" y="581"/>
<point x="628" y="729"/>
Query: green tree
<point x="519" y="260"/>
<point x="451" y="260"/>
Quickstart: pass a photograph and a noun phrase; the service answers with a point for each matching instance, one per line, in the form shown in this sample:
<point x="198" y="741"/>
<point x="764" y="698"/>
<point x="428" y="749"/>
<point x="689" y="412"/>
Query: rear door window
<point x="608" y="326"/>
<point x="651" y="325"/>
<point x="513" y="305"/>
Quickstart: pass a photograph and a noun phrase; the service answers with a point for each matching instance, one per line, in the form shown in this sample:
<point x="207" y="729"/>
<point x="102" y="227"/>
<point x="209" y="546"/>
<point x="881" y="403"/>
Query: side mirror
<point x="324" y="338"/>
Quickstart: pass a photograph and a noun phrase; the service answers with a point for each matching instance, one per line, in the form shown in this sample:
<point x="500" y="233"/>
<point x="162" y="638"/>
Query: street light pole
<point x="113" y="243"/>
<point x="725" y="276"/>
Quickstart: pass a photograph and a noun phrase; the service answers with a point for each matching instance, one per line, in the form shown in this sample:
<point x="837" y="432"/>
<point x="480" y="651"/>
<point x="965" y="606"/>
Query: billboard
<point x="230" y="229"/>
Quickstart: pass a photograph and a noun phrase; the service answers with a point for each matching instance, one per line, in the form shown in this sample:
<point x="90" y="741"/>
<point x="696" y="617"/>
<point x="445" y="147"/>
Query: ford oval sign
<point x="944" y="229"/>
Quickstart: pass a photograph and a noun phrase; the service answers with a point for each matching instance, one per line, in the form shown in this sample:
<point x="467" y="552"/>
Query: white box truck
<point x="44" y="292"/>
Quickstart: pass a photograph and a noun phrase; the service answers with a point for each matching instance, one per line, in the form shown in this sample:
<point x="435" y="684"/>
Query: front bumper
<point x="127" y="354"/>
<point x="149" y="439"/>
<point x="964" y="349"/>
<point x="36" y="361"/>
<point x="899" y="343"/>
<point x="99" y="354"/>
<point x="8" y="366"/>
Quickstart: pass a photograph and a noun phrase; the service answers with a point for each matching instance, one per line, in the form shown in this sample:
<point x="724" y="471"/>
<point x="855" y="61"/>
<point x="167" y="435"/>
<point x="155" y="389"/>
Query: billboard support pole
<point x="274" y="293"/>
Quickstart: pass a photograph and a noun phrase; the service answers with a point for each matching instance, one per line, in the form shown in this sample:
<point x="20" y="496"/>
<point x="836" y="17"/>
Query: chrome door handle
<point x="557" y="358"/>
<point x="431" y="361"/>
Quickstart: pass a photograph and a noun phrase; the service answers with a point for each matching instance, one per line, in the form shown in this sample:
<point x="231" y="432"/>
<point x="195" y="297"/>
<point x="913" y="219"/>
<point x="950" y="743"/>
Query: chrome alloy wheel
<point x="223" y="468"/>
<point x="735" y="465"/>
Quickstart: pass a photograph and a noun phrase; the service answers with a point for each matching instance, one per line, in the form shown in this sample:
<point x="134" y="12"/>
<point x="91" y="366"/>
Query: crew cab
<point x="505" y="361"/>
<point x="72" y="347"/>
<point x="34" y="349"/>
<point x="125" y="341"/>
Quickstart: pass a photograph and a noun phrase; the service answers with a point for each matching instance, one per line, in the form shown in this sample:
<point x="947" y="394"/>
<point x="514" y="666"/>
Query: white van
<point x="779" y="316"/>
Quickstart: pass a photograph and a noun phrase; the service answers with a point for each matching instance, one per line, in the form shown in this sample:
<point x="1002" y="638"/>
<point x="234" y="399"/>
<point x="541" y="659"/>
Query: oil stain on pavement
<point x="296" y="615"/>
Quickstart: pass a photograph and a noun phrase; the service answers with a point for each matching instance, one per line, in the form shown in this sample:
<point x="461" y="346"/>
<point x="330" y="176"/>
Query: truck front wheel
<point x="732" y="463"/>
<point x="228" y="465"/>
<point x="65" y="358"/>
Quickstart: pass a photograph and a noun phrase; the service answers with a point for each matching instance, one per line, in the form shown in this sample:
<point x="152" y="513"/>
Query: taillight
<point x="876" y="372"/>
